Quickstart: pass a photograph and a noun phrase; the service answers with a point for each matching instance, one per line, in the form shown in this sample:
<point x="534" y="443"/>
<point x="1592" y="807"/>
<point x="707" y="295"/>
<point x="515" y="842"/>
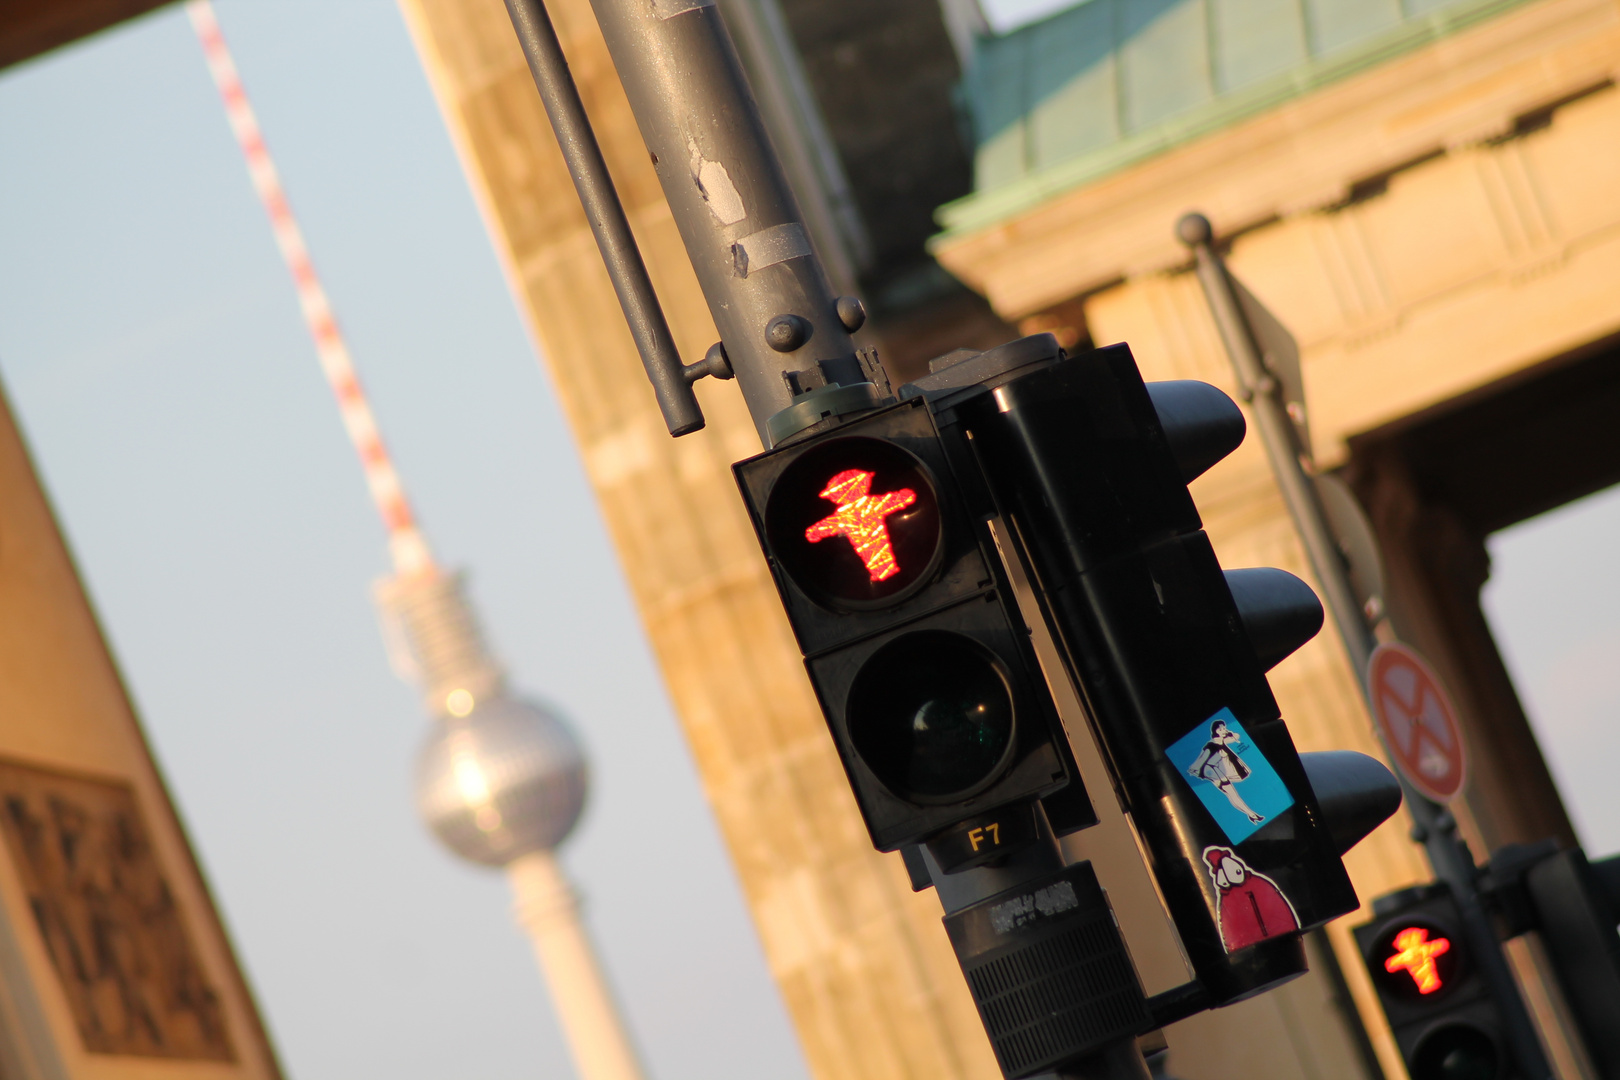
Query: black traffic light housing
<point x="881" y="536"/>
<point x="1088" y="466"/>
<point x="915" y="648"/>
<point x="1438" y="1004"/>
<point x="1575" y="907"/>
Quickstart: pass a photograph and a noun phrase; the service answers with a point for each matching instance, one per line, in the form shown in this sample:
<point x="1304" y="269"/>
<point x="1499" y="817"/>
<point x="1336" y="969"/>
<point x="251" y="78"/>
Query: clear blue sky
<point x="150" y="343"/>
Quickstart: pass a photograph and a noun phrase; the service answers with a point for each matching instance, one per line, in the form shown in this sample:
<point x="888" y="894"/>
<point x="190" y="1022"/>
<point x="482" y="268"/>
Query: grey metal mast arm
<point x="670" y="379"/>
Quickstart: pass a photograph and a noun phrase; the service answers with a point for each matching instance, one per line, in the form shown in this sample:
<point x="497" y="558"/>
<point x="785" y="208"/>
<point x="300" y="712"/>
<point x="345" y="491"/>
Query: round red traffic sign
<point x="1417" y="721"/>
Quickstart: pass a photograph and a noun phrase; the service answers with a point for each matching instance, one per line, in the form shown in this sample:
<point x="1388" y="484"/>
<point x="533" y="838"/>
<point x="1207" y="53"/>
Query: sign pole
<point x="1434" y="826"/>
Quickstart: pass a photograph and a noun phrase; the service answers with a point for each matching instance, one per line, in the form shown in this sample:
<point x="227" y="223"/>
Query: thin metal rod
<point x="1436" y="827"/>
<point x="606" y="214"/>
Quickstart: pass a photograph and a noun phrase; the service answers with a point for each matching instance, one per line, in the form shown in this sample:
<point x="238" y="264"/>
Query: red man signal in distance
<point x="863" y="518"/>
<point x="1415" y="953"/>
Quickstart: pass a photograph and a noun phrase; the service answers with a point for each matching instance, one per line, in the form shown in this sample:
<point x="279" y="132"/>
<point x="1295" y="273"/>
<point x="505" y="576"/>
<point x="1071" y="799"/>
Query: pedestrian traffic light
<point x="882" y="534"/>
<point x="913" y="643"/>
<point x="1088" y="468"/>
<point x="1437" y="1004"/>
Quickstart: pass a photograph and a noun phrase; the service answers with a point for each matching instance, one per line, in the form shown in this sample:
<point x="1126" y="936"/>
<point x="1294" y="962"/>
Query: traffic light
<point x="1088" y="467"/>
<point x="1437" y="1003"/>
<point x="882" y="535"/>
<point x="912" y="640"/>
<point x="1574" y="905"/>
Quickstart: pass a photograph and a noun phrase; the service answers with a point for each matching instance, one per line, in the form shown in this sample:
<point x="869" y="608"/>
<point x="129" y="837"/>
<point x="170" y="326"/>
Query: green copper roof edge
<point x="983" y="209"/>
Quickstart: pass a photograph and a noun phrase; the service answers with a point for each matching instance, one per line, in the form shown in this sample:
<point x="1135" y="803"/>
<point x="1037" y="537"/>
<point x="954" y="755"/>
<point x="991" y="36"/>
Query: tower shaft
<point x="547" y="908"/>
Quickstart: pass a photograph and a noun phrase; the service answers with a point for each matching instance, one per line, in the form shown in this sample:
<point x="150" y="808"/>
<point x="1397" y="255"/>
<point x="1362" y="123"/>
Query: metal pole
<point x="800" y="135"/>
<point x="1435" y="827"/>
<point x="671" y="381"/>
<point x="769" y="295"/>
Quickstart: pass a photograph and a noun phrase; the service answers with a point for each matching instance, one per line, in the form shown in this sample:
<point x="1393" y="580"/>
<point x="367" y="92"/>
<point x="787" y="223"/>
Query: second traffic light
<point x="917" y="653"/>
<point x="1437" y="1004"/>
<point x="1088" y="467"/>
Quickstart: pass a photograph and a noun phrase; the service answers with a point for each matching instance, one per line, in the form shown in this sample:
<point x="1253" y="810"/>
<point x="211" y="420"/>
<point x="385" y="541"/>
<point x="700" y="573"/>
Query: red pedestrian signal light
<point x="881" y="539"/>
<point x="1416" y="959"/>
<point x="1415" y="954"/>
<point x="1438" y="1004"/>
<point x="912" y="637"/>
<point x="862" y="518"/>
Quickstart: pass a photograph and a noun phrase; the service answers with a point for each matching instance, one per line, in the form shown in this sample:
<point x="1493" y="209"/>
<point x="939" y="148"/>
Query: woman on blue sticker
<point x="1220" y="764"/>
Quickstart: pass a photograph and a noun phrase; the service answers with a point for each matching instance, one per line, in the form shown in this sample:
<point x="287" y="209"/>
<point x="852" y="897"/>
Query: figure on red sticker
<point x="1251" y="908"/>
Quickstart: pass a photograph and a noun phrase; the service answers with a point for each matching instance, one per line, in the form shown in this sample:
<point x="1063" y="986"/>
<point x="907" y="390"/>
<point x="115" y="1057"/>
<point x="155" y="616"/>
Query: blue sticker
<point x="1230" y="776"/>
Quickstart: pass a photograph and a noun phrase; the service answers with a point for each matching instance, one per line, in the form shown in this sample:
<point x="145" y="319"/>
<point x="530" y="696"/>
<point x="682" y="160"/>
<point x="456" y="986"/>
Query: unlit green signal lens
<point x="931" y="715"/>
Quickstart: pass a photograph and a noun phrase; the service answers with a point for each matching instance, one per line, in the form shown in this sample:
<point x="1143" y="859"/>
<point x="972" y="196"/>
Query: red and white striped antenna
<point x="406" y="543"/>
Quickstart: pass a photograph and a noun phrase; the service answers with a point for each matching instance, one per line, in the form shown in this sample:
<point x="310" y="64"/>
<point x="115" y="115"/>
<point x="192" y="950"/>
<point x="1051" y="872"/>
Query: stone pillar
<point x="862" y="962"/>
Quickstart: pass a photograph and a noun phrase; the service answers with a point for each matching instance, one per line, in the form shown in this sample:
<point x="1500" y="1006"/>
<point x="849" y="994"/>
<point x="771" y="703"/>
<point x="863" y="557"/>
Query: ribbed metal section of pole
<point x="1120" y="1060"/>
<point x="1435" y="826"/>
<point x="742" y="227"/>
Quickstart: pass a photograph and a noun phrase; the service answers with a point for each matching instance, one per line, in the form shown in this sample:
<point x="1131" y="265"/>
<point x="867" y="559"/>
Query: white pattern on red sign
<point x="1417" y="721"/>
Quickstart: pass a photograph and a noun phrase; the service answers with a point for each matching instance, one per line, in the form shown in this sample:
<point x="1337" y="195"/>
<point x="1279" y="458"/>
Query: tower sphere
<point x="507" y="779"/>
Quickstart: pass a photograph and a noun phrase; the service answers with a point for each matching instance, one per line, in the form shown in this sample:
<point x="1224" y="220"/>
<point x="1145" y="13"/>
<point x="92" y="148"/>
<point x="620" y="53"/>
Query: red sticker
<point x="1249" y="906"/>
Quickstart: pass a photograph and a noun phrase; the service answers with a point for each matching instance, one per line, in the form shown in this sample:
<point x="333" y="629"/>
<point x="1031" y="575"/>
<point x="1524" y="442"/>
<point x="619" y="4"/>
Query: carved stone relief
<point x="110" y="923"/>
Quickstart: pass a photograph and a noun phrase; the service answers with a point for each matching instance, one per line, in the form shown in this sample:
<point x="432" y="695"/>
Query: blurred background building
<point x="1421" y="191"/>
<point x="113" y="960"/>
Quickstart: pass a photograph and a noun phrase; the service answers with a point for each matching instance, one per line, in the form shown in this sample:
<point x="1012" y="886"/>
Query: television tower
<point x="499" y="780"/>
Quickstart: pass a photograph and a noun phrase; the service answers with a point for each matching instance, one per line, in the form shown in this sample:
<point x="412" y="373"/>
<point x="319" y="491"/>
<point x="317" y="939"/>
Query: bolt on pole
<point x="1436" y="828"/>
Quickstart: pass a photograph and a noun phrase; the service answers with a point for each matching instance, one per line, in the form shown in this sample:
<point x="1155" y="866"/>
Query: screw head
<point x="851" y="312"/>
<point x="787" y="332"/>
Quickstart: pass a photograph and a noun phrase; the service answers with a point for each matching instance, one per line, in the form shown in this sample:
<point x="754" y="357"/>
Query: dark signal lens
<point x="1456" y="1052"/>
<point x="855" y="522"/>
<point x="931" y="715"/>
